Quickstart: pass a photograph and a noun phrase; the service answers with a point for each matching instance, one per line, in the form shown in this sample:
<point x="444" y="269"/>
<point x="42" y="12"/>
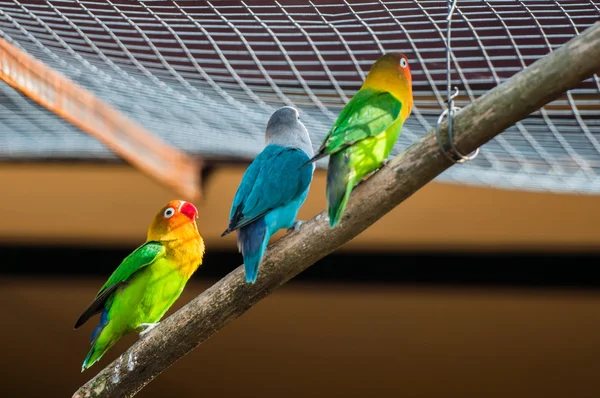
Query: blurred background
<point x="483" y="283"/>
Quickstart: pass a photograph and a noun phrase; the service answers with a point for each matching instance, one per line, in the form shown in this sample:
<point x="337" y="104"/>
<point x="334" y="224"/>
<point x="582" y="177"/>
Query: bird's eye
<point x="169" y="212"/>
<point x="403" y="62"/>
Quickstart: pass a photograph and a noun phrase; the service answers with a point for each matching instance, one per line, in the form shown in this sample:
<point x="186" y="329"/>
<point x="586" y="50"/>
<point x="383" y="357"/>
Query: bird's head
<point x="283" y="116"/>
<point x="391" y="73"/>
<point x="285" y="128"/>
<point x="392" y="63"/>
<point x="177" y="219"/>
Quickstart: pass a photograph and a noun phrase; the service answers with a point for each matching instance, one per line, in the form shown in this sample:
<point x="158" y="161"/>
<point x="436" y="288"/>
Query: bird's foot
<point x="384" y="163"/>
<point x="146" y="327"/>
<point x="296" y="226"/>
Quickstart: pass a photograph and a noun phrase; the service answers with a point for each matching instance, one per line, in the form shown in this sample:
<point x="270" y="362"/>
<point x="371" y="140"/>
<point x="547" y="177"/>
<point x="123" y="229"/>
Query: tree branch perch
<point x="229" y="298"/>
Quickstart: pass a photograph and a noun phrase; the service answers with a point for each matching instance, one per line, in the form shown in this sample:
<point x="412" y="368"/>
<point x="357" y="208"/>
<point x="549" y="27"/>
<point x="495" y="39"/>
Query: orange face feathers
<point x="403" y="66"/>
<point x="174" y="220"/>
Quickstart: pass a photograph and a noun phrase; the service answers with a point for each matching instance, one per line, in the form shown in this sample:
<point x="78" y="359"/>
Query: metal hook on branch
<point x="453" y="153"/>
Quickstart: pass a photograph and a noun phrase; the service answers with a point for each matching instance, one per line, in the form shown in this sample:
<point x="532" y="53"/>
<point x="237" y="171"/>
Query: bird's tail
<point x="318" y="156"/>
<point x="252" y="242"/>
<point x="339" y="186"/>
<point x="103" y="338"/>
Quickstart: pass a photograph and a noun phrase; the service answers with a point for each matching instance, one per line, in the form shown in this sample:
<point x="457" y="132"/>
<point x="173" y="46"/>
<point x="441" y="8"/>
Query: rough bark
<point x="229" y="298"/>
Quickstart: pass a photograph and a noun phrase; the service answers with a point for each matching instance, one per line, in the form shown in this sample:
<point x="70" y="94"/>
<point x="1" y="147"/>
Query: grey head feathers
<point x="285" y="128"/>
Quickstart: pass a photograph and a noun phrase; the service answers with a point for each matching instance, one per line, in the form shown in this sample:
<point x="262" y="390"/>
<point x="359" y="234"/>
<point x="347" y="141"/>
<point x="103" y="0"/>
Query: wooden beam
<point x="518" y="220"/>
<point x="138" y="146"/>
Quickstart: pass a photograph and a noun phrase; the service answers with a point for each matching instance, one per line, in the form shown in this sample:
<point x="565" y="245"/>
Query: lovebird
<point x="272" y="189"/>
<point x="366" y="130"/>
<point x="148" y="281"/>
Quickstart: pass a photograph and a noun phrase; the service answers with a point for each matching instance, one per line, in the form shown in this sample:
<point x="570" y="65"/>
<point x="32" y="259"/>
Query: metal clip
<point x="453" y="154"/>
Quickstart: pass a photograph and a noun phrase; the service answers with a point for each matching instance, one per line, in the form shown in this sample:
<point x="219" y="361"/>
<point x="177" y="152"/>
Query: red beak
<point x="189" y="210"/>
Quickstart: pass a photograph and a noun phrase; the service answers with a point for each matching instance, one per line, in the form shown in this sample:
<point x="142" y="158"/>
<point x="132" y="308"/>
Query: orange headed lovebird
<point x="148" y="281"/>
<point x="366" y="130"/>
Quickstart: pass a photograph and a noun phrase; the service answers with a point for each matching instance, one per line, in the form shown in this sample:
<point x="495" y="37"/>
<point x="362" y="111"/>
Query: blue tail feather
<point x="101" y="325"/>
<point x="97" y="350"/>
<point x="252" y="240"/>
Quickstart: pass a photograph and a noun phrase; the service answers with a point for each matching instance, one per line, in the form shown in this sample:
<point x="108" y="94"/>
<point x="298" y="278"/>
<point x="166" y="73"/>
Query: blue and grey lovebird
<point x="273" y="188"/>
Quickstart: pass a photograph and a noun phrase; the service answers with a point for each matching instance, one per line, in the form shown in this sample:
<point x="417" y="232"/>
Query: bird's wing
<point x="274" y="179"/>
<point x="141" y="257"/>
<point x="368" y="114"/>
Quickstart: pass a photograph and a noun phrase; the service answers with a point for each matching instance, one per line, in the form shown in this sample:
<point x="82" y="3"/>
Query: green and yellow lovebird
<point x="366" y="130"/>
<point x="148" y="281"/>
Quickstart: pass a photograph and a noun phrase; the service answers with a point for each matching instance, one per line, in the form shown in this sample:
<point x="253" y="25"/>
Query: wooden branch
<point x="130" y="140"/>
<point x="229" y="298"/>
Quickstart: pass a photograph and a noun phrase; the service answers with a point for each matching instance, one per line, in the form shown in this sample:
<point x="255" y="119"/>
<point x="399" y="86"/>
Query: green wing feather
<point x="368" y="114"/>
<point x="141" y="257"/>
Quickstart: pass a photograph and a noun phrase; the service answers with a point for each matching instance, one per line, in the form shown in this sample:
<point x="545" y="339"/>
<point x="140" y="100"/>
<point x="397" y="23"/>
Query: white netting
<point x="205" y="76"/>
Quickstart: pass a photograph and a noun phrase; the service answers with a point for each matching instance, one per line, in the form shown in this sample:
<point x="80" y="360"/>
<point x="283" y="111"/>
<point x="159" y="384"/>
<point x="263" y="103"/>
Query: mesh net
<point x="205" y="76"/>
